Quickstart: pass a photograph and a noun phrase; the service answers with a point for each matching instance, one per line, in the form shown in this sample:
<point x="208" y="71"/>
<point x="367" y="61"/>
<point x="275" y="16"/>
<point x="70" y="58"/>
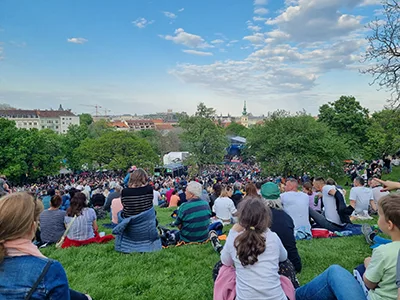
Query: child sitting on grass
<point x="380" y="269"/>
<point x="255" y="251"/>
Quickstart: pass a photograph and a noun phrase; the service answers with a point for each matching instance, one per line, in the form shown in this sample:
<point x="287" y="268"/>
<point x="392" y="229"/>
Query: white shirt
<point x="260" y="281"/>
<point x="377" y="194"/>
<point x="224" y="208"/>
<point x="156" y="197"/>
<point x="296" y="205"/>
<point x="330" y="208"/>
<point x="362" y="195"/>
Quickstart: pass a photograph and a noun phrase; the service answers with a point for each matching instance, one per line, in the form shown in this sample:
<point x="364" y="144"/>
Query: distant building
<point x="137" y="125"/>
<point x="120" y="125"/>
<point x="56" y="120"/>
<point x="244" y="119"/>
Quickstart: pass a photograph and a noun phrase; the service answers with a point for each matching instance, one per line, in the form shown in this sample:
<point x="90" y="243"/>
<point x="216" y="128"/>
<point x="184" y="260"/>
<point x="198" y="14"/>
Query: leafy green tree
<point x="205" y="140"/>
<point x="153" y="137"/>
<point x="116" y="150"/>
<point x="97" y="129"/>
<point x="205" y="112"/>
<point x="85" y="119"/>
<point x="383" y="134"/>
<point x="348" y="118"/>
<point x="236" y="129"/>
<point x="291" y="145"/>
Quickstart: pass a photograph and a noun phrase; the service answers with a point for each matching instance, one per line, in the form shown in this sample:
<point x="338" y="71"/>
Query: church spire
<point x="244" y="113"/>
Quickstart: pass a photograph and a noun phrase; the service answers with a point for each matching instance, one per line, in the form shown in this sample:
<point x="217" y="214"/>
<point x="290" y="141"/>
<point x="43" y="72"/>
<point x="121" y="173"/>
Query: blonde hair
<point x="18" y="212"/>
<point x="138" y="178"/>
<point x="225" y="191"/>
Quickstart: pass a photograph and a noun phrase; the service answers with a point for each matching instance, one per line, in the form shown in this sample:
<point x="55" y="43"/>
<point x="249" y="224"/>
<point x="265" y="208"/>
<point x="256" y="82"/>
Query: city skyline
<point x="150" y="56"/>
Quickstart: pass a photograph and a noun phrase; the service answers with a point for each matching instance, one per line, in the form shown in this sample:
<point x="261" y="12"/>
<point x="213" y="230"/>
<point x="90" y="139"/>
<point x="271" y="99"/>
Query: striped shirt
<point x="52" y="225"/>
<point x="136" y="200"/>
<point x="82" y="228"/>
<point x="194" y="216"/>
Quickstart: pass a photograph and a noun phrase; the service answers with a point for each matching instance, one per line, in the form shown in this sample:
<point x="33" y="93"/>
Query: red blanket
<point x="96" y="239"/>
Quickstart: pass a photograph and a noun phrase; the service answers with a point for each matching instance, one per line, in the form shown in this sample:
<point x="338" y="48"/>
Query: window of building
<point x="30" y="123"/>
<point x="24" y="123"/>
<point x="42" y="127"/>
<point x="63" y="123"/>
<point x="56" y="127"/>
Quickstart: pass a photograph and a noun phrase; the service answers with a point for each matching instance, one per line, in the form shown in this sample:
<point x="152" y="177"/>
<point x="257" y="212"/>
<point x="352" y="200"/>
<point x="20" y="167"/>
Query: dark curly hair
<point x="255" y="217"/>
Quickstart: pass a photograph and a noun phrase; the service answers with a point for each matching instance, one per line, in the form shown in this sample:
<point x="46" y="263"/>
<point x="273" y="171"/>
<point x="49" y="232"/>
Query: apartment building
<point x="56" y="120"/>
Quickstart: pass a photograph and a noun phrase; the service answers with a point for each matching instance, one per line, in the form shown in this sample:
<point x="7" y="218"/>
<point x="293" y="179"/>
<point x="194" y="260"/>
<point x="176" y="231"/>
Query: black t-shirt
<point x="98" y="200"/>
<point x="282" y="225"/>
<point x="136" y="200"/>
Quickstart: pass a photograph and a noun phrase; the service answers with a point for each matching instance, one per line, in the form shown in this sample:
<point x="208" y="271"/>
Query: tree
<point x="5" y="106"/>
<point x="153" y="137"/>
<point x="291" y="145"/>
<point x="383" y="51"/>
<point x="236" y="129"/>
<point x="383" y="134"/>
<point x="97" y="129"/>
<point x="116" y="150"/>
<point x="205" y="141"/>
<point x="348" y="118"/>
<point x="205" y="112"/>
<point x="85" y="119"/>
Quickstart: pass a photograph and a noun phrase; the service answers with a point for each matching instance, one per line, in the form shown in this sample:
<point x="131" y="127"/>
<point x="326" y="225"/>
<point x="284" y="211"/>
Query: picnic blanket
<point x="348" y="230"/>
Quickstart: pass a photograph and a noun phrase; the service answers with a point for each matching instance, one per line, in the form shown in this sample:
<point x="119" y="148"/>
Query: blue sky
<point x="135" y="56"/>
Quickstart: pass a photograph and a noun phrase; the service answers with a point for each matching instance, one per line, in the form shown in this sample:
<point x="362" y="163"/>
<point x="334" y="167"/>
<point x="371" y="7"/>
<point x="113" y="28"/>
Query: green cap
<point x="270" y="191"/>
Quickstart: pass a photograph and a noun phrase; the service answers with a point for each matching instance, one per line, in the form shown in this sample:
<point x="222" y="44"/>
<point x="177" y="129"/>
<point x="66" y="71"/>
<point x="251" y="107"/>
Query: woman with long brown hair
<point x="138" y="196"/>
<point x="25" y="273"/>
<point x="255" y="251"/>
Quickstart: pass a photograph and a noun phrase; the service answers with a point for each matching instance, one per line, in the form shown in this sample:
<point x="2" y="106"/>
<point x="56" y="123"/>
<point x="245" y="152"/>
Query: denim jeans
<point x="335" y="283"/>
<point x="323" y="222"/>
<point x="379" y="241"/>
<point x="74" y="295"/>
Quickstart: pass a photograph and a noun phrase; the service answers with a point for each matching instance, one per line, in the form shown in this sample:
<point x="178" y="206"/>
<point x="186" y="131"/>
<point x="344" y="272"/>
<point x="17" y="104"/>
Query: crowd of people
<point x="259" y="259"/>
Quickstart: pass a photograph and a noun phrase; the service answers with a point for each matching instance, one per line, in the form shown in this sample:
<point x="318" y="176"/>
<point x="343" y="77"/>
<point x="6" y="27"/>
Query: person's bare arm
<point x="95" y="226"/>
<point x="332" y="192"/>
<point x="373" y="205"/>
<point x="388" y="185"/>
<point x="353" y="203"/>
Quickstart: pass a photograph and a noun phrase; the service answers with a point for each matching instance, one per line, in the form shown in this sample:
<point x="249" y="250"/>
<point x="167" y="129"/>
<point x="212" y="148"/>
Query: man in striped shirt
<point x="193" y="216"/>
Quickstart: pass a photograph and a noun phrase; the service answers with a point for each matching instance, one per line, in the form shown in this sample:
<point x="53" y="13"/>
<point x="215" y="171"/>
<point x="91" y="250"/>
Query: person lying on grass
<point x="25" y="273"/>
<point x="379" y="278"/>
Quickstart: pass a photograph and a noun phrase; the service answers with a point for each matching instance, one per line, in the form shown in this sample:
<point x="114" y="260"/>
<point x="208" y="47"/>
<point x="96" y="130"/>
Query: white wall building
<point x="56" y="120"/>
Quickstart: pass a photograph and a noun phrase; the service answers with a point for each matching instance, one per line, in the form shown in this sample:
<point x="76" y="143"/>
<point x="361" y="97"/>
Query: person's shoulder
<point x="388" y="250"/>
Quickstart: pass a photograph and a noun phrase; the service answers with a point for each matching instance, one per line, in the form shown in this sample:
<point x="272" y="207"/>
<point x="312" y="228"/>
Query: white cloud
<point x="169" y="15"/>
<point x="142" y="22"/>
<point x="181" y="10"/>
<point x="312" y="20"/>
<point x="260" y="2"/>
<point x="256" y="38"/>
<point x="371" y="2"/>
<point x="77" y="40"/>
<point x="217" y="41"/>
<point x="254" y="28"/>
<point x="259" y="19"/>
<point x="189" y="40"/>
<point x="261" y="11"/>
<point x="231" y="43"/>
<point x="199" y="53"/>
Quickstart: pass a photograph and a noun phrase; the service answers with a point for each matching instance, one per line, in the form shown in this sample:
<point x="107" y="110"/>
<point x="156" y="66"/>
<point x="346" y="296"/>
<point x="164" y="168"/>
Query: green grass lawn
<point x="183" y="272"/>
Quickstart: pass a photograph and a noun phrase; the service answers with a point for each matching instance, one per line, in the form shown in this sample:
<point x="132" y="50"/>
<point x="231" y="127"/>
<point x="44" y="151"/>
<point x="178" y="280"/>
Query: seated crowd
<point x="259" y="259"/>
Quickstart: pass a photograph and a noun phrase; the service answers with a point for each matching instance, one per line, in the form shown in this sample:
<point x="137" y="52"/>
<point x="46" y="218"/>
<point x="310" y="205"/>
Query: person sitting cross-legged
<point x="193" y="217"/>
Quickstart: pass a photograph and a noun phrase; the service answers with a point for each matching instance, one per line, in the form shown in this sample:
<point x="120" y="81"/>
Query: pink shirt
<point x="116" y="207"/>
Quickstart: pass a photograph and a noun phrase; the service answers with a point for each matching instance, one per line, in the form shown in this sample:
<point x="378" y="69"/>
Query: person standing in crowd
<point x="193" y="217"/>
<point x="282" y="223"/>
<point x="361" y="197"/>
<point x="331" y="220"/>
<point x="296" y="205"/>
<point x="138" y="197"/>
<point x="52" y="224"/>
<point x="19" y="216"/>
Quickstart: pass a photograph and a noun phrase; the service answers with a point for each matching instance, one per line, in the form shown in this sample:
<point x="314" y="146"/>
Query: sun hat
<point x="270" y="191"/>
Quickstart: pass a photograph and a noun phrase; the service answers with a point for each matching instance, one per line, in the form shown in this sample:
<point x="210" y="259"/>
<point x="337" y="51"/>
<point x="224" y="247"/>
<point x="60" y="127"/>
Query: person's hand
<point x="388" y="185"/>
<point x="367" y="261"/>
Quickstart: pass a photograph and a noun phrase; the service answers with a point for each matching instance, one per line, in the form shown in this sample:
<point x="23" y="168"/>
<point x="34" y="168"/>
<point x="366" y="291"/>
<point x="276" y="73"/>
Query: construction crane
<point x="95" y="106"/>
<point x="106" y="111"/>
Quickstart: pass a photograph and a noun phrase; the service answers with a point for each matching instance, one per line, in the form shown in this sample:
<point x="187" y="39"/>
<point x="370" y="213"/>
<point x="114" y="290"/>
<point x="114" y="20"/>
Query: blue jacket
<point x="18" y="274"/>
<point x="137" y="233"/>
